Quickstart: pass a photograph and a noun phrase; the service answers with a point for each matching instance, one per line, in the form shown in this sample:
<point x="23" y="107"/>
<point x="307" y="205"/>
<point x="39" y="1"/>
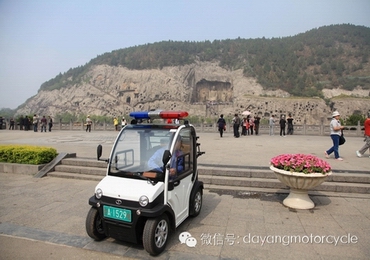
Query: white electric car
<point x="143" y="199"/>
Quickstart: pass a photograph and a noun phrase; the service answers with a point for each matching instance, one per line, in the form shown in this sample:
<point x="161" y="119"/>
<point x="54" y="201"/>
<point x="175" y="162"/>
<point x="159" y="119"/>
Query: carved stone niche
<point x="216" y="91"/>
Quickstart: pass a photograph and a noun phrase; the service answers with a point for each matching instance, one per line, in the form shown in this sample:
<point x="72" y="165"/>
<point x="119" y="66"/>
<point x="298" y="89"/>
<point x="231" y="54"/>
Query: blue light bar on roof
<point x="159" y="114"/>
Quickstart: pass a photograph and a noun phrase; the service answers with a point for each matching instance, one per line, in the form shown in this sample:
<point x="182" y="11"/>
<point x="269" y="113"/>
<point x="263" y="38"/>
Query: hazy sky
<point x="42" y="38"/>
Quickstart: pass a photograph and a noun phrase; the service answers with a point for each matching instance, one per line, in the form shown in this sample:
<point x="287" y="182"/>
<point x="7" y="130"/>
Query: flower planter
<point x="299" y="184"/>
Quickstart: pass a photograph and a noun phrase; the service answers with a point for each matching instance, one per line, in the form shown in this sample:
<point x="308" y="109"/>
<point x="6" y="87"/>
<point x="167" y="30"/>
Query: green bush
<point x="27" y="154"/>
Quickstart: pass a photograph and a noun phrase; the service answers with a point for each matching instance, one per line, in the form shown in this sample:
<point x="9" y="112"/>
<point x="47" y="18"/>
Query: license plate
<point x="117" y="213"/>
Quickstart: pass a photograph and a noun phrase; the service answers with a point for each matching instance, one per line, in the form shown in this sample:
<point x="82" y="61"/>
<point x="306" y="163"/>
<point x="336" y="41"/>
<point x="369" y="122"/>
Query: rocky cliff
<point x="203" y="89"/>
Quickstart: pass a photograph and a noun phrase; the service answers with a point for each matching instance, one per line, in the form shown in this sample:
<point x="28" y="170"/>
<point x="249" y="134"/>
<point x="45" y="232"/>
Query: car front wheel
<point x="155" y="235"/>
<point x="94" y="225"/>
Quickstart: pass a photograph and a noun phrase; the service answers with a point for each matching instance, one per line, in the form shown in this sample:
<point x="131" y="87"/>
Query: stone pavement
<point x="246" y="151"/>
<point x="45" y="218"/>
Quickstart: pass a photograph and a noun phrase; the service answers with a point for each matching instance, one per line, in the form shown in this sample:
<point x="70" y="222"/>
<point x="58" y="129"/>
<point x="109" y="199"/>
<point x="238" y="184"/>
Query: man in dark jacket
<point x="221" y="123"/>
<point x="282" y="123"/>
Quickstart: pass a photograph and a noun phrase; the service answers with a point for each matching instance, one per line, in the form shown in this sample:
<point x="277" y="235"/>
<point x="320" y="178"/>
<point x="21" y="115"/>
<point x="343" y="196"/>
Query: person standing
<point x="27" y="123"/>
<point x="43" y="124"/>
<point x="35" y="122"/>
<point x="257" y="124"/>
<point x="236" y="124"/>
<point x="290" y="124"/>
<point x="251" y="124"/>
<point x="244" y="126"/>
<point x="50" y="123"/>
<point x="271" y="124"/>
<point x="123" y="122"/>
<point x="11" y="124"/>
<point x="282" y="124"/>
<point x="247" y="125"/>
<point x="335" y="133"/>
<point x="366" y="146"/>
<point x="221" y="124"/>
<point x="115" y="122"/>
<point x="21" y="123"/>
<point x="88" y="124"/>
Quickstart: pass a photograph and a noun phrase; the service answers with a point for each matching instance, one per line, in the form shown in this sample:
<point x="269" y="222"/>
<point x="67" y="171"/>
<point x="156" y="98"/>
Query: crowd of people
<point x="250" y="124"/>
<point x="27" y="123"/>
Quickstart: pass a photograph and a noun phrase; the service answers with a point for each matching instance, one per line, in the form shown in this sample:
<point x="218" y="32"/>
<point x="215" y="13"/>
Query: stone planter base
<point x="29" y="169"/>
<point x="299" y="184"/>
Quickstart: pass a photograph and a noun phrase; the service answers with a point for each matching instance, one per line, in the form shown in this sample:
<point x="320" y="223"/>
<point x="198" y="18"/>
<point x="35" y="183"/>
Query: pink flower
<point x="305" y="163"/>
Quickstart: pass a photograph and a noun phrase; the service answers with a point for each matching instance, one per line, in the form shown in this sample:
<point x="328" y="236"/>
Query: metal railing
<point x="356" y="130"/>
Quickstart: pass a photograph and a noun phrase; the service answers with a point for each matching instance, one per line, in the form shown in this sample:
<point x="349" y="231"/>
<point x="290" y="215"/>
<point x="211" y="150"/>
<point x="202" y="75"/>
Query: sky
<point x="41" y="38"/>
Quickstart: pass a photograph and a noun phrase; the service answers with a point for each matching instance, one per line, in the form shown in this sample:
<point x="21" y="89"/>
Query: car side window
<point x="182" y="155"/>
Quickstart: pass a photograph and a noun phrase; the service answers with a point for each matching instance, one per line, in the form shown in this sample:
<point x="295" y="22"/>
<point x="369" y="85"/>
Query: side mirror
<point x="166" y="157"/>
<point x="99" y="151"/>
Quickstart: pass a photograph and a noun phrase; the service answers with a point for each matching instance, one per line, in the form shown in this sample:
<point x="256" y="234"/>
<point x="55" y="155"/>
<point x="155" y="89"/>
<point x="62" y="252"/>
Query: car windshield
<point x="139" y="149"/>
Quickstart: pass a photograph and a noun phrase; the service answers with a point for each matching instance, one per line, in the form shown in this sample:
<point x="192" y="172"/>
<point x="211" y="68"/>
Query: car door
<point x="178" y="197"/>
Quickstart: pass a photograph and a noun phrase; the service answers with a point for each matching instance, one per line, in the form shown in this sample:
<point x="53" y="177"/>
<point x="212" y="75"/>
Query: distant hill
<point x="335" y="56"/>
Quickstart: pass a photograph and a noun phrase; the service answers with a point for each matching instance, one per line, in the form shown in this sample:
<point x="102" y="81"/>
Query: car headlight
<point x="98" y="193"/>
<point x="143" y="201"/>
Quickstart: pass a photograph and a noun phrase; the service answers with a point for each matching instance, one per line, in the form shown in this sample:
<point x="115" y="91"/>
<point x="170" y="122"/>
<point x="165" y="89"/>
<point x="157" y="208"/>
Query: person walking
<point x="271" y="124"/>
<point x="366" y="146"/>
<point x="236" y="124"/>
<point x="88" y="124"/>
<point x="221" y="124"/>
<point x="290" y="124"/>
<point x="335" y="133"/>
<point x="282" y="124"/>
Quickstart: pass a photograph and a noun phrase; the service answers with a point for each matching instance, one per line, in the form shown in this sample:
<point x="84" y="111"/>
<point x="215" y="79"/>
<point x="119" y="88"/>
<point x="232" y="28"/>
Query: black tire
<point x="156" y="234"/>
<point x="94" y="225"/>
<point x="196" y="203"/>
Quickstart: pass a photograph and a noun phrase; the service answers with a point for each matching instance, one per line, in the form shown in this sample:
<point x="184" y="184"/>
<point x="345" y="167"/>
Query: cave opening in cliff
<point x="212" y="91"/>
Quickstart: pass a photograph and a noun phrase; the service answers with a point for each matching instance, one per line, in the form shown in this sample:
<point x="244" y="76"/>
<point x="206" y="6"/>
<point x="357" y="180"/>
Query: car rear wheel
<point x="196" y="203"/>
<point x="94" y="225"/>
<point x="155" y="235"/>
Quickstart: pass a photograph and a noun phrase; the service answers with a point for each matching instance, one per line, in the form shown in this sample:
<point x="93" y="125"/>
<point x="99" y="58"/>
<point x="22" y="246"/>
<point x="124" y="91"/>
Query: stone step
<point x="81" y="169"/>
<point x="68" y="175"/>
<point x="253" y="192"/>
<point x="222" y="178"/>
<point x="86" y="162"/>
<point x="351" y="177"/>
<point x="276" y="184"/>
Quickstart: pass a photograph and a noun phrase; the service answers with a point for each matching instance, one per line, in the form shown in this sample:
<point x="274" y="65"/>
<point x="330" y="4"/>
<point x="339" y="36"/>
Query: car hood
<point x="129" y="189"/>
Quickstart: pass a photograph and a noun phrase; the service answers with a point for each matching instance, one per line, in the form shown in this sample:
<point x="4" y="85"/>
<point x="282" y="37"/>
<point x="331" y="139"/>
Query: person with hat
<point x="366" y="146"/>
<point x="88" y="123"/>
<point x="335" y="133"/>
